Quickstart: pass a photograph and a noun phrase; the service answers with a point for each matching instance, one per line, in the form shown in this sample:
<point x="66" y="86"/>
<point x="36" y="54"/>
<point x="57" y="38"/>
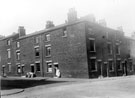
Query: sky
<point x="33" y="14"/>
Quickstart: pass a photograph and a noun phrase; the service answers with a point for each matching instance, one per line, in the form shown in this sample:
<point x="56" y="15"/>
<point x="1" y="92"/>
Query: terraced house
<point x="80" y="48"/>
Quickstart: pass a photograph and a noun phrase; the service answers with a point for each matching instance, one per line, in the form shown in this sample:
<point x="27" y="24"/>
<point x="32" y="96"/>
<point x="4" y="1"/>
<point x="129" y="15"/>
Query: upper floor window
<point x="37" y="53"/>
<point x="8" y="53"/>
<point x="47" y="37"/>
<point x="8" y="42"/>
<point x="64" y="33"/>
<point x="92" y="44"/>
<point x="18" y="55"/>
<point x="48" y="50"/>
<point x="109" y="46"/>
<point x="9" y="67"/>
<point x="117" y="47"/>
<point x="17" y="44"/>
<point x="37" y="39"/>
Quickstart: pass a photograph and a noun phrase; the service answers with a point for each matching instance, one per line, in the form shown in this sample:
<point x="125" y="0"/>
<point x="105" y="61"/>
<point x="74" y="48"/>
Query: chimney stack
<point x="72" y="15"/>
<point x="21" y="31"/>
<point x="49" y="24"/>
<point x="120" y="28"/>
<point x="102" y="22"/>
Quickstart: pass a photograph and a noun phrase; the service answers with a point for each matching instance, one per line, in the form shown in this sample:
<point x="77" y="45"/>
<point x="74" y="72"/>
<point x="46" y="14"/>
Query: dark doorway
<point x="124" y="68"/>
<point x="104" y="69"/>
<point x="32" y="69"/>
<point x="100" y="69"/>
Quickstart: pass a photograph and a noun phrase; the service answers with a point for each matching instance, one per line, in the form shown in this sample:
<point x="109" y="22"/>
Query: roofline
<point x="51" y="29"/>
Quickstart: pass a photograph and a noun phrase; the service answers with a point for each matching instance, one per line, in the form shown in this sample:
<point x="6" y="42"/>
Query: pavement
<point x="7" y="92"/>
<point x="11" y="92"/>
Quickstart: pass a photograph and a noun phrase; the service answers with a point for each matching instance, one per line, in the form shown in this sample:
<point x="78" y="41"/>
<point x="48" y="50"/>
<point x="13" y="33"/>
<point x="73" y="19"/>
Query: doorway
<point x="32" y="69"/>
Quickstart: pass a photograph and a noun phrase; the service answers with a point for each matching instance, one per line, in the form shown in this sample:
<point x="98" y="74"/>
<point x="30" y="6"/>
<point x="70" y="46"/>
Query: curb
<point x="11" y="93"/>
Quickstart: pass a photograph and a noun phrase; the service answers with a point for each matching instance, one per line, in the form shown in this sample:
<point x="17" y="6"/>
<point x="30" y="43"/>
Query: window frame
<point x="49" y="63"/>
<point x="18" y="55"/>
<point x="8" y="53"/>
<point x="47" y="37"/>
<point x="117" y="47"/>
<point x="93" y="58"/>
<point x="119" y="65"/>
<point x="46" y="50"/>
<point x="18" y="44"/>
<point x="112" y="65"/>
<point x="38" y="69"/>
<point x="94" y="45"/>
<point x="64" y="32"/>
<point x="109" y="47"/>
<point x="37" y="51"/>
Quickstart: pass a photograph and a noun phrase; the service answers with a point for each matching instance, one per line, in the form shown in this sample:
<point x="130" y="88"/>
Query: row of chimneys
<point x="72" y="16"/>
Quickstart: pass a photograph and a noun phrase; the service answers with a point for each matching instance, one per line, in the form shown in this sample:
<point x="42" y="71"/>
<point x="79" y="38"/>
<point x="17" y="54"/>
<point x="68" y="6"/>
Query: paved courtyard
<point x="118" y="87"/>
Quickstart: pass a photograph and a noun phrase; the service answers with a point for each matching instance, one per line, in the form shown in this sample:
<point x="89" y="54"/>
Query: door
<point x="100" y="69"/>
<point x="32" y="69"/>
<point x="104" y="69"/>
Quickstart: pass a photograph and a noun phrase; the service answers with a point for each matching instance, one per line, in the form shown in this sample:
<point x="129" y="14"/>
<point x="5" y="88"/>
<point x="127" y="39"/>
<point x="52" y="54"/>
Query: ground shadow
<point x="7" y="84"/>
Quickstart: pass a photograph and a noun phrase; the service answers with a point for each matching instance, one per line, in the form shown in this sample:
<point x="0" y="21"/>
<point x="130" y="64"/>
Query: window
<point x="48" y="50"/>
<point x="117" y="49"/>
<point x="37" y="54"/>
<point x="9" y="53"/>
<point x="118" y="63"/>
<point x="64" y="32"/>
<point x="22" y="68"/>
<point x="111" y="67"/>
<point x="130" y="66"/>
<point x="38" y="66"/>
<point x="18" y="55"/>
<point x="47" y="37"/>
<point x="92" y="44"/>
<point x="18" y="68"/>
<point x="93" y="64"/>
<point x="9" y="67"/>
<point x="8" y="42"/>
<point x="109" y="46"/>
<point x="37" y="39"/>
<point x="49" y="66"/>
<point x="17" y="44"/>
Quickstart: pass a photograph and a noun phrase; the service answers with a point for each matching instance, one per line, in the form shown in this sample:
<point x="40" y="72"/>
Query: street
<point x="118" y="87"/>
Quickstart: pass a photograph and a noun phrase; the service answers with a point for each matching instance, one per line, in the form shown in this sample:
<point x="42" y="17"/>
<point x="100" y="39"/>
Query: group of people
<point x="32" y="75"/>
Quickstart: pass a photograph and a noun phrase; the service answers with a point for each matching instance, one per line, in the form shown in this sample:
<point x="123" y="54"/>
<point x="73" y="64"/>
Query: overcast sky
<point x="33" y="14"/>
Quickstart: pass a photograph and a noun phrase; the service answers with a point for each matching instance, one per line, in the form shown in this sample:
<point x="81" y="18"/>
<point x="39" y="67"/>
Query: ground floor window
<point x="118" y="63"/>
<point x="93" y="64"/>
<point x="130" y="66"/>
<point x="49" y="66"/>
<point x="9" y="67"/>
<point x="38" y="66"/>
<point x="18" y="68"/>
<point x="22" y="68"/>
<point x="111" y="66"/>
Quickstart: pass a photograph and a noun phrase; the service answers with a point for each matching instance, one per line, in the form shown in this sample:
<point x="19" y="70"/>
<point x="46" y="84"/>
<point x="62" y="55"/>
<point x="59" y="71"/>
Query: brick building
<point x="80" y="48"/>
